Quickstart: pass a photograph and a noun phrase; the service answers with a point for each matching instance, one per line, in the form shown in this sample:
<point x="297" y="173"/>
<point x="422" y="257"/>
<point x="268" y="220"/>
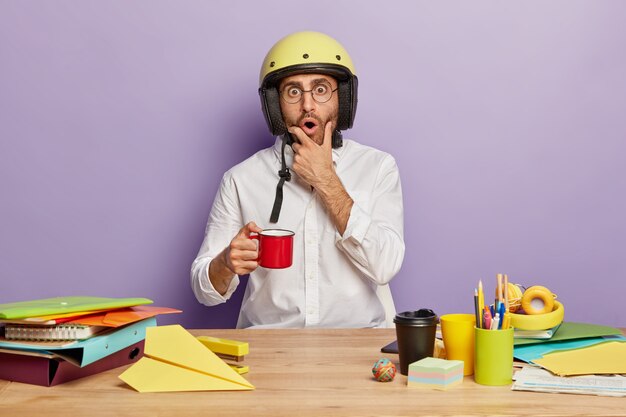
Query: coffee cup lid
<point x="421" y="317"/>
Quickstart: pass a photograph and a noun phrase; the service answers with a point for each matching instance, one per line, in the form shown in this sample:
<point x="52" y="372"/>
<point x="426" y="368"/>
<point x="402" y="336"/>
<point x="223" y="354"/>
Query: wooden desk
<point x="298" y="373"/>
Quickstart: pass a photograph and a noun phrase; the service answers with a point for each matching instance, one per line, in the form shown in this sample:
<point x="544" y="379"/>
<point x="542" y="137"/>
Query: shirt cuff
<point x="358" y="223"/>
<point x="211" y="292"/>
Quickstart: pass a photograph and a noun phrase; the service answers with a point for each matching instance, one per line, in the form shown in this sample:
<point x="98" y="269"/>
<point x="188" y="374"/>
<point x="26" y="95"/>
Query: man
<point x="343" y="200"/>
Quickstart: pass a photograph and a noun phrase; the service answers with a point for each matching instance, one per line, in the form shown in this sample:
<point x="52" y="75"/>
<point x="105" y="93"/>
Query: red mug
<point x="275" y="248"/>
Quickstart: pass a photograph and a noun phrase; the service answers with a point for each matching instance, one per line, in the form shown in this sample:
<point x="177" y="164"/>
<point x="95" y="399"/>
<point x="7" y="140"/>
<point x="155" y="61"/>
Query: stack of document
<point x="540" y="380"/>
<point x="577" y="349"/>
<point x="55" y="340"/>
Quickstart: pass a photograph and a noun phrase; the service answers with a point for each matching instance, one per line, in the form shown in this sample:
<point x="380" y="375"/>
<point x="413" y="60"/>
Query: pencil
<point x="481" y="301"/>
<point x="506" y="293"/>
<point x="507" y="320"/>
<point x="476" y="309"/>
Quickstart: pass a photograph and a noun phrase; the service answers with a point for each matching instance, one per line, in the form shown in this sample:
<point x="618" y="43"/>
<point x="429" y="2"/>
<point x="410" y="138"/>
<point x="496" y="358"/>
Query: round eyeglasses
<point x="321" y="93"/>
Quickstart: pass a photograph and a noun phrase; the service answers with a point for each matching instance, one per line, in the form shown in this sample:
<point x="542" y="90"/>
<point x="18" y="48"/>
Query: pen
<point x="495" y="322"/>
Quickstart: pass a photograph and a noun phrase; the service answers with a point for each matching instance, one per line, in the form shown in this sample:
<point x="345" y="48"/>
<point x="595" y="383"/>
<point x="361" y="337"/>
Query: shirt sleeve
<point x="374" y="237"/>
<point x="223" y="224"/>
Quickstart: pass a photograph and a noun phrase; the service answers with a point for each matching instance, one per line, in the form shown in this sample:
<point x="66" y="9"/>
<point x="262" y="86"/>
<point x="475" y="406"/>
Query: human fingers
<point x="252" y="227"/>
<point x="247" y="229"/>
<point x="246" y="254"/>
<point x="243" y="244"/>
<point x="299" y="133"/>
<point x="244" y="267"/>
<point x="239" y="253"/>
<point x="328" y="136"/>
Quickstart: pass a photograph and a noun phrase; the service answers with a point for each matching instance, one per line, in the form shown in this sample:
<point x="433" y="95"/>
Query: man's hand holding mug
<point x="274" y="250"/>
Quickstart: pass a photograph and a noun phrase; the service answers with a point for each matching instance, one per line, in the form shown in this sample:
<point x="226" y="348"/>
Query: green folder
<point x="62" y="305"/>
<point x="570" y="331"/>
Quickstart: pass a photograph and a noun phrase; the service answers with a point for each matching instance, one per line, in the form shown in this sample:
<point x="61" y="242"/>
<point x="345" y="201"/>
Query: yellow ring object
<point x="539" y="321"/>
<point x="537" y="300"/>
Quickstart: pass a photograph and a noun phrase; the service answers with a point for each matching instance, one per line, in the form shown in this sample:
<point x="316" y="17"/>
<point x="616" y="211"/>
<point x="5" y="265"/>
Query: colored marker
<point x="487" y="318"/>
<point x="501" y="313"/>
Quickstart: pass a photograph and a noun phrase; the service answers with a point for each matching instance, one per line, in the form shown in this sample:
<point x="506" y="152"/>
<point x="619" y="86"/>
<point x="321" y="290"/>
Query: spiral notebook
<point x="51" y="333"/>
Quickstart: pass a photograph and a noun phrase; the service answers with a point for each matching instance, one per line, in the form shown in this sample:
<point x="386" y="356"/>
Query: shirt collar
<point x="337" y="152"/>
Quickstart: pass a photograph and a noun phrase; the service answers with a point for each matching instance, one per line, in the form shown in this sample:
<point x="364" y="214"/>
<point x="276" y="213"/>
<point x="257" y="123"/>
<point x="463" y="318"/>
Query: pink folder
<point x="19" y="366"/>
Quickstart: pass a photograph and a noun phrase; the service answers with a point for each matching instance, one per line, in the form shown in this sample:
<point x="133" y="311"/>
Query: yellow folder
<point x="174" y="360"/>
<point x="603" y="358"/>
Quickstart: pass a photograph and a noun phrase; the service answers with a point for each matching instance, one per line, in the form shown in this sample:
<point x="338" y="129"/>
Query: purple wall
<point x="117" y="120"/>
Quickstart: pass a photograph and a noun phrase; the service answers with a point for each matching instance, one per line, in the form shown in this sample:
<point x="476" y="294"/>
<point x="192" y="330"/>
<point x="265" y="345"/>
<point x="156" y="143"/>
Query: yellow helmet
<point x="307" y="52"/>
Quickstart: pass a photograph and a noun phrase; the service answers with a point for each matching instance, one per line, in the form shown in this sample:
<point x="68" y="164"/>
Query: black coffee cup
<point x="415" y="331"/>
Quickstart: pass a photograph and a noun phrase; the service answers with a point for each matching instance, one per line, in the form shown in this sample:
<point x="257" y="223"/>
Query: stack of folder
<point x="51" y="341"/>
<point x="575" y="349"/>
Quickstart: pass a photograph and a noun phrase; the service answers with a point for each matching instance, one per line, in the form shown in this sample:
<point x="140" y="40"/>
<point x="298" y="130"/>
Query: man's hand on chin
<point x="312" y="162"/>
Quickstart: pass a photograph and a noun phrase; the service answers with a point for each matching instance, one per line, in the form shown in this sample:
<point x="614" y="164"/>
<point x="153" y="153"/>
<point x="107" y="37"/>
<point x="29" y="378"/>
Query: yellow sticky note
<point x="176" y="361"/>
<point x="603" y="358"/>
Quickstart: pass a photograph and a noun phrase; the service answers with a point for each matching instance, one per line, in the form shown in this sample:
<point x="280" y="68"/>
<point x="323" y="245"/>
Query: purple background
<point x="117" y="120"/>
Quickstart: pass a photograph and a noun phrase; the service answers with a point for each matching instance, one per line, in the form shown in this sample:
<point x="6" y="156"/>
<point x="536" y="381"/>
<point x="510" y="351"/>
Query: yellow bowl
<point x="539" y="321"/>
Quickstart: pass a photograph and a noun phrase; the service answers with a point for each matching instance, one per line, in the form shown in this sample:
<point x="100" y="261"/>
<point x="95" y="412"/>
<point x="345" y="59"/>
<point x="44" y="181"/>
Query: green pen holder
<point x="493" y="357"/>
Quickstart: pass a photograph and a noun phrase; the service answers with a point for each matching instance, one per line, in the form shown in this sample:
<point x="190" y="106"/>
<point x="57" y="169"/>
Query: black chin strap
<point x="284" y="175"/>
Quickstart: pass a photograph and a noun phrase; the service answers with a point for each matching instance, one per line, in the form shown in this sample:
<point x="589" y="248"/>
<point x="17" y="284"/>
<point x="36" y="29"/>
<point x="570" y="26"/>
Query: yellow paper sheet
<point x="603" y="358"/>
<point x="176" y="361"/>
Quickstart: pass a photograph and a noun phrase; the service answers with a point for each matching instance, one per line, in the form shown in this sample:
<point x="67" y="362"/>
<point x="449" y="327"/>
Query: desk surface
<point x="298" y="373"/>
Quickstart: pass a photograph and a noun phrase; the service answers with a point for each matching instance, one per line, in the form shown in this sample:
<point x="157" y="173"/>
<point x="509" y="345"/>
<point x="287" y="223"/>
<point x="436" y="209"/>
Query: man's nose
<point x="308" y="104"/>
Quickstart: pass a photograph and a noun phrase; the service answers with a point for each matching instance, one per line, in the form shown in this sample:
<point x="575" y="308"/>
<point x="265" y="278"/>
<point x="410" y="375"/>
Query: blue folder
<point x="530" y="353"/>
<point x="84" y="352"/>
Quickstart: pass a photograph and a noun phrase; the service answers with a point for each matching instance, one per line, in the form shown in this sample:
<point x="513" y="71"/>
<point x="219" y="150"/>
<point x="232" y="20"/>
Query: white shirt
<point x="335" y="281"/>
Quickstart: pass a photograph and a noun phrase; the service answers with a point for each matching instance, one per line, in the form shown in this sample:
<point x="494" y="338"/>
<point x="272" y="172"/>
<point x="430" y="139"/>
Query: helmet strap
<point x="284" y="175"/>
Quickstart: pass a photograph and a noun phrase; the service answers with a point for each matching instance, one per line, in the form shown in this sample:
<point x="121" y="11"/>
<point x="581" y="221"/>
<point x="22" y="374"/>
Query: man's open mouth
<point x="309" y="126"/>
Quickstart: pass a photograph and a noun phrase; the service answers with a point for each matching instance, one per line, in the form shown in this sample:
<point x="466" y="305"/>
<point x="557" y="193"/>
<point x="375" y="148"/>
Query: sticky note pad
<point x="435" y="373"/>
